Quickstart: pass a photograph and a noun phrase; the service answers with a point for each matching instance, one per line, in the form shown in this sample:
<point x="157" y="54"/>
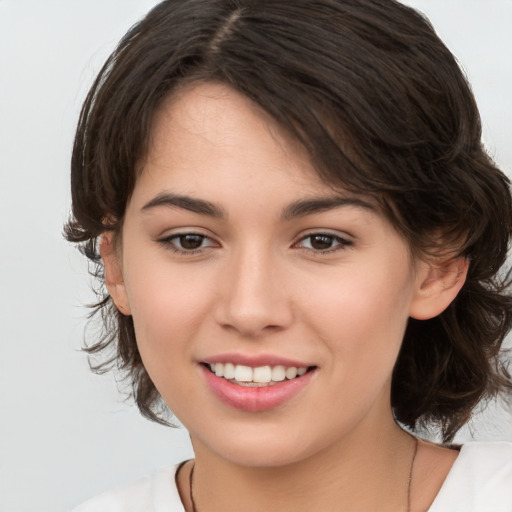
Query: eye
<point x="188" y="243"/>
<point x="323" y="242"/>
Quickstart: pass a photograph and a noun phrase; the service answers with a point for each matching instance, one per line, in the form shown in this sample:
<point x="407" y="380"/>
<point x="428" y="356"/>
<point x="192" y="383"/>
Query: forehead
<point x="209" y="131"/>
<point x="212" y="119"/>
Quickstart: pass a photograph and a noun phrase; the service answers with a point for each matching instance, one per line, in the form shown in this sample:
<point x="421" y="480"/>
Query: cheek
<point x="168" y="310"/>
<point x="357" y="301"/>
<point x="361" y="317"/>
<point x="361" y="323"/>
<point x="167" y="318"/>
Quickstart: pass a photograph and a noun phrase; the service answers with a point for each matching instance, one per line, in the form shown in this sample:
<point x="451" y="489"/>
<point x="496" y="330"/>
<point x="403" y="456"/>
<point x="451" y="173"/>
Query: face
<point x="236" y="257"/>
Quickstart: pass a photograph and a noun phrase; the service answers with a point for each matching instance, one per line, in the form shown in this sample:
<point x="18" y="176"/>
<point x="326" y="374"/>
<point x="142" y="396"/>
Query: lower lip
<point x="255" y="399"/>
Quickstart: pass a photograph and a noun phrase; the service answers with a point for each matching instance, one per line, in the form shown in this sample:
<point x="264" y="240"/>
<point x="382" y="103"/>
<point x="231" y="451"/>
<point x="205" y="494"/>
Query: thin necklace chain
<point x="409" y="480"/>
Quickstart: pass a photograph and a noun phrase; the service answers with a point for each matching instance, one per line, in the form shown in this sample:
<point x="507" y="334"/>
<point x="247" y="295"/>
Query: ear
<point x="113" y="273"/>
<point x="437" y="286"/>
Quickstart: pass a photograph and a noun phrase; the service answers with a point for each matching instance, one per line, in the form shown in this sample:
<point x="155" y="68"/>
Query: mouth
<point x="256" y="388"/>
<point x="259" y="376"/>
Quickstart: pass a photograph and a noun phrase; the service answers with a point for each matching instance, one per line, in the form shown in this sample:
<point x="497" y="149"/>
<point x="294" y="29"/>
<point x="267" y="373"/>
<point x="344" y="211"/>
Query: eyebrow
<point x="313" y="205"/>
<point x="187" y="203"/>
<point x="300" y="208"/>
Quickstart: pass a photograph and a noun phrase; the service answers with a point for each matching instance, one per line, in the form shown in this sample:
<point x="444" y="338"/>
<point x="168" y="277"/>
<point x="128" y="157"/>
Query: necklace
<point x="409" y="480"/>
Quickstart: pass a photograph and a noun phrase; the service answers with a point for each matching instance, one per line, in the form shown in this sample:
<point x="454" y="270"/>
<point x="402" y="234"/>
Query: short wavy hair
<point x="382" y="107"/>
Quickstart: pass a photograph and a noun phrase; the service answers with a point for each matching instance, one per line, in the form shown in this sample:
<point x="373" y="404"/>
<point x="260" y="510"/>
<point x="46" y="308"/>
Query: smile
<point x="259" y="376"/>
<point x="256" y="388"/>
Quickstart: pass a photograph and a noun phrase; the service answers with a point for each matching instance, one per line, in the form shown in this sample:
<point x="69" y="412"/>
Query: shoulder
<point x="479" y="481"/>
<point x="153" y="493"/>
<point x="489" y="464"/>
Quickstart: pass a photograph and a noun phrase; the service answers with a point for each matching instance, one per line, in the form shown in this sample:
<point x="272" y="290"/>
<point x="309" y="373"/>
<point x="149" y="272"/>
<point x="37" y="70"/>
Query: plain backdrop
<point x="66" y="434"/>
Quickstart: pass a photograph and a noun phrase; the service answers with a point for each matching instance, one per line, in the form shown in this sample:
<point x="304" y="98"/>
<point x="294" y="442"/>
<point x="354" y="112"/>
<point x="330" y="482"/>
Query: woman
<point x="301" y="239"/>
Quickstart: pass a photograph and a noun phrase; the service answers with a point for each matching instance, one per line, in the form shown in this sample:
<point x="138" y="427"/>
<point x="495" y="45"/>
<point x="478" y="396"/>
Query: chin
<point x="261" y="458"/>
<point x="260" y="449"/>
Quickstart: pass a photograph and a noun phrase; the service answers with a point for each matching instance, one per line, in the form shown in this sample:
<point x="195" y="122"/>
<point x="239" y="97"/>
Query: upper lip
<point x="256" y="360"/>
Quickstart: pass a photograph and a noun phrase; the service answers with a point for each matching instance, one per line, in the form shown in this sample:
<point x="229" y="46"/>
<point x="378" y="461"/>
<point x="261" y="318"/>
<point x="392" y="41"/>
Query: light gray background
<point x="66" y="434"/>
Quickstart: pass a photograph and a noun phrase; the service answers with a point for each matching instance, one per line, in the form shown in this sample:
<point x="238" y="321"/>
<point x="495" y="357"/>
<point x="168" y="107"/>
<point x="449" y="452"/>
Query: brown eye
<point x="191" y="241"/>
<point x="321" y="242"/>
<point x="188" y="243"/>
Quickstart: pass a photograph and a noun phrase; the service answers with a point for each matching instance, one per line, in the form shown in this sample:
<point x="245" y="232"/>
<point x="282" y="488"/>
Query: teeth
<point x="229" y="371"/>
<point x="262" y="374"/>
<point x="258" y="375"/>
<point x="219" y="369"/>
<point x="242" y="373"/>
<point x="291" y="372"/>
<point x="278" y="373"/>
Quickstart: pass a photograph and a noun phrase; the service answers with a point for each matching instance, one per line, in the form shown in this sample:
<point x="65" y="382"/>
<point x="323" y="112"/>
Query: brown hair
<point x="381" y="106"/>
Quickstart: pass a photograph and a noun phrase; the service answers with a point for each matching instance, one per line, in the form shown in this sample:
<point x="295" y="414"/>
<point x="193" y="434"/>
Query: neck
<point x="366" y="472"/>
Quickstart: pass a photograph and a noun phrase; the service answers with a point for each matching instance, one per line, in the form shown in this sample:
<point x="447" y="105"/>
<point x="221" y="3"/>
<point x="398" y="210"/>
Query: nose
<point x="253" y="295"/>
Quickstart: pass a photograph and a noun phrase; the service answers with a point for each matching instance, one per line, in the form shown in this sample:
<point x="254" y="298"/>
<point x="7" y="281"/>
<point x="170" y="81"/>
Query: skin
<point x="258" y="284"/>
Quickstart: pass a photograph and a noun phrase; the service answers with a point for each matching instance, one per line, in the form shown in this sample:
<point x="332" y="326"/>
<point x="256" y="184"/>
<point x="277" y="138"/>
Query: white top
<point x="479" y="481"/>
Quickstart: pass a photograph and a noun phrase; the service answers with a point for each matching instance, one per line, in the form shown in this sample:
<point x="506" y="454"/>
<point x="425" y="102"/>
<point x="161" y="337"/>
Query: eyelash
<point x="170" y="242"/>
<point x="341" y="243"/>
